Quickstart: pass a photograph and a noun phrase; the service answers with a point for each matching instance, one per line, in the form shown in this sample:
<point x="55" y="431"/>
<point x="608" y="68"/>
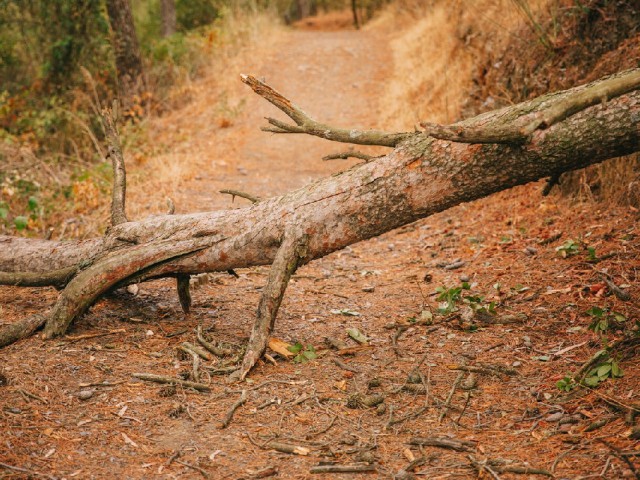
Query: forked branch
<point x="305" y="124"/>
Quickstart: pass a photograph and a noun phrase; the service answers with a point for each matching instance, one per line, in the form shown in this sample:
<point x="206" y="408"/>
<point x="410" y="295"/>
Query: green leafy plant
<point x="604" y="370"/>
<point x="450" y="297"/>
<point x="591" y="254"/>
<point x="568" y="248"/>
<point x="20" y="222"/>
<point x="304" y="353"/>
<point x="566" y="384"/>
<point x="602" y="319"/>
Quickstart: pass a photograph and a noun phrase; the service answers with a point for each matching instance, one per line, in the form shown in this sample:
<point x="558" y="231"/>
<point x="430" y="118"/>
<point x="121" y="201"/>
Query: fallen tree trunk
<point x="422" y="175"/>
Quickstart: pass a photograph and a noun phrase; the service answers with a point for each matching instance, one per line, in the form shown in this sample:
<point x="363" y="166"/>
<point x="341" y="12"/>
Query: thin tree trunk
<point x="354" y="10"/>
<point x="168" y="13"/>
<point x="126" y="49"/>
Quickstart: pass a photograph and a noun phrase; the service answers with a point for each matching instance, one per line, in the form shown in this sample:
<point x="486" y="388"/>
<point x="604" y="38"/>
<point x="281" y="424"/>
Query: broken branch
<point x="305" y="124"/>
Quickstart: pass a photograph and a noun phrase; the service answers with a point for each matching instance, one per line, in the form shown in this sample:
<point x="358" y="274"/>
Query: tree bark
<point x="126" y="49"/>
<point x="422" y="175"/>
<point x="168" y="13"/>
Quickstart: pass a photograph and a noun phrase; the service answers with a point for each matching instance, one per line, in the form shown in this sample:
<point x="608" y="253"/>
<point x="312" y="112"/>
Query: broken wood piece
<point x="229" y="416"/>
<point x="447" y="402"/>
<point x="280" y="347"/>
<point x="343" y="468"/>
<point x="354" y="350"/>
<point x="201" y="471"/>
<point x="150" y="377"/>
<point x="444" y="442"/>
<point x="485" y="369"/>
<point x="344" y="366"/>
<point x="75" y="338"/>
<point x="196" y="350"/>
<point x="217" y="351"/>
<point x="288" y="448"/>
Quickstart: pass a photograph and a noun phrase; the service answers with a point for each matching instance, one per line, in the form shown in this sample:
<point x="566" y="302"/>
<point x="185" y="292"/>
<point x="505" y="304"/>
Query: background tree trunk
<point x="168" y="12"/>
<point x="126" y="49"/>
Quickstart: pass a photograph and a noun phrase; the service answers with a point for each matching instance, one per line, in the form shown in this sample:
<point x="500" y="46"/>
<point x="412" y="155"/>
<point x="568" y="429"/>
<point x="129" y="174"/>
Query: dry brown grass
<point x="438" y="49"/>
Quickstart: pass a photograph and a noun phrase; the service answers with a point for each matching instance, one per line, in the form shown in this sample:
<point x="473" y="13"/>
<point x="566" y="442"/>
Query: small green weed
<point x="566" y="384"/>
<point x="568" y="248"/>
<point x="304" y="353"/>
<point x="450" y="297"/>
<point x="604" y="370"/>
<point x="603" y="318"/>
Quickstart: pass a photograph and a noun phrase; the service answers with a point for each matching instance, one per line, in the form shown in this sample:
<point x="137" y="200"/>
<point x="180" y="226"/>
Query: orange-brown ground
<point x="133" y="429"/>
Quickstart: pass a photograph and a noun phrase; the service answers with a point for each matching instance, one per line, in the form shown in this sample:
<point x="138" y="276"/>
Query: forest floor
<point x="70" y="408"/>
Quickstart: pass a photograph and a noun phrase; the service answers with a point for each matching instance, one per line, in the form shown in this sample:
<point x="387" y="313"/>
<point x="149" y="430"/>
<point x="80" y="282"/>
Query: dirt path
<point x="71" y="408"/>
<point x="335" y="76"/>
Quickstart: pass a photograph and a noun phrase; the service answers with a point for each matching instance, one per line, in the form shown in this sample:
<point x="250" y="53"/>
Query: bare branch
<point x="598" y="92"/>
<point x="238" y="193"/>
<point x="291" y="254"/>
<point x="503" y="130"/>
<point x="305" y="124"/>
<point x="118" y="215"/>
<point x="465" y="134"/>
<point x="346" y="155"/>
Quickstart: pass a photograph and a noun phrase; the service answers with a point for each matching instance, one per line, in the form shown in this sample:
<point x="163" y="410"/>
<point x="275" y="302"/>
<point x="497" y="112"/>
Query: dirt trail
<point x="337" y="77"/>
<point x="384" y="287"/>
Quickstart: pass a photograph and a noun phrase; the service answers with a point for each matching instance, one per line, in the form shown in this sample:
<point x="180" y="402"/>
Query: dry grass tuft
<point x="437" y="56"/>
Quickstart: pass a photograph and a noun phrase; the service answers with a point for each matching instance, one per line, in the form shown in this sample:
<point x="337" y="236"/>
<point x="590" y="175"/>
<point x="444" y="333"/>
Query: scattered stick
<point x="551" y="239"/>
<point x="150" y="377"/>
<point x="346" y="155"/>
<point x="344" y="366"/>
<point x="229" y="416"/>
<point x="617" y="291"/>
<point x="485" y="369"/>
<point x="483" y="466"/>
<point x="201" y="471"/>
<point x="217" y="351"/>
<point x="447" y="402"/>
<point x="342" y="469"/>
<point x="394" y="339"/>
<point x="26" y="470"/>
<point x="444" y="442"/>
<point x="31" y="395"/>
<point x="94" y="335"/>
<point x="238" y="193"/>
<point x="618" y="454"/>
<point x="192" y="349"/>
